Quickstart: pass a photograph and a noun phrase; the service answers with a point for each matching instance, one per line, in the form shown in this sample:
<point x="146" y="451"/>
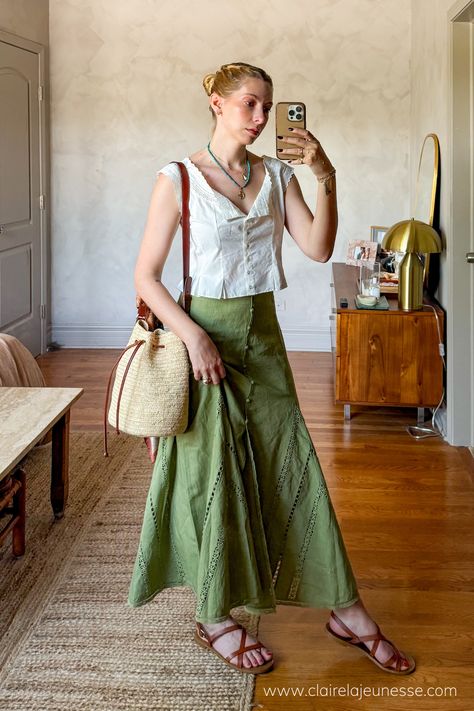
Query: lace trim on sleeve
<point x="287" y="172"/>
<point x="172" y="171"/>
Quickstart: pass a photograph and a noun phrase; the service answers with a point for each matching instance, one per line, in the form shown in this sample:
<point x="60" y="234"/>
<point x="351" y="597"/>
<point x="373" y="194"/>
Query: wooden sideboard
<point x="383" y="357"/>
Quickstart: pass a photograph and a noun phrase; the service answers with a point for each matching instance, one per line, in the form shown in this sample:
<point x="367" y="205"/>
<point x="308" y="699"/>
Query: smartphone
<point x="288" y="115"/>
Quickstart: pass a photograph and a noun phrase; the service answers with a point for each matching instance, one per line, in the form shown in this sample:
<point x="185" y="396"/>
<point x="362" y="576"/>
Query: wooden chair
<point x="17" y="368"/>
<point x="12" y="507"/>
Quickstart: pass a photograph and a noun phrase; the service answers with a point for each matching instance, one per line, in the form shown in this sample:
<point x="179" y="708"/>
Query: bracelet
<point x="325" y="178"/>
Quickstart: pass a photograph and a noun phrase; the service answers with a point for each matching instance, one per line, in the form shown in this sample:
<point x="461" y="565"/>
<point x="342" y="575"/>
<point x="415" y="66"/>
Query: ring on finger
<point x="206" y="381"/>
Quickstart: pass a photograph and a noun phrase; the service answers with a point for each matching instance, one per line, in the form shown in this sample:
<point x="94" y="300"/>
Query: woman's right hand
<point x="205" y="358"/>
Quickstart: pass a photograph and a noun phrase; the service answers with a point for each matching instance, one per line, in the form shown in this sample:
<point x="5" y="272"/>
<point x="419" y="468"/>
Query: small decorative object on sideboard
<point x="372" y="302"/>
<point x="360" y="252"/>
<point x="369" y="279"/>
<point x="366" y="300"/>
<point x="388" y="283"/>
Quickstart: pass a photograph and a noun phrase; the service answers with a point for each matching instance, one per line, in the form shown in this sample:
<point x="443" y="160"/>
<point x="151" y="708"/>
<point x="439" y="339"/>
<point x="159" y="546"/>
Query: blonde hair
<point x="230" y="77"/>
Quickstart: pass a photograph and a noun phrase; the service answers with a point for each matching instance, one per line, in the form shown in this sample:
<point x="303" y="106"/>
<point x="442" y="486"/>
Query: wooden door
<point x="21" y="310"/>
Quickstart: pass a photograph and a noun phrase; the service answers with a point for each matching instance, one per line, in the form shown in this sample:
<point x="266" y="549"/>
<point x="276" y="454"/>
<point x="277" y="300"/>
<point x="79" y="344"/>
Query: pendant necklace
<point x="245" y="176"/>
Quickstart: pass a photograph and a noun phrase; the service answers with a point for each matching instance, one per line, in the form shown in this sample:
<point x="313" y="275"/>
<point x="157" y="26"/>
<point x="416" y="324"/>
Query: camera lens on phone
<point x="291" y="112"/>
<point x="298" y="117"/>
<point x="299" y="109"/>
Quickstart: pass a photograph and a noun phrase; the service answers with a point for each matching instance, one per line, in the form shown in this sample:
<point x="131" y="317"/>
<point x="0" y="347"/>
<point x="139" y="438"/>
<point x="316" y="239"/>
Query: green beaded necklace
<point x="246" y="177"/>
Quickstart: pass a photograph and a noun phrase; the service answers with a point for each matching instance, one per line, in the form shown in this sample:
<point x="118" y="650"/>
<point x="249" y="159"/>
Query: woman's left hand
<point x="311" y="152"/>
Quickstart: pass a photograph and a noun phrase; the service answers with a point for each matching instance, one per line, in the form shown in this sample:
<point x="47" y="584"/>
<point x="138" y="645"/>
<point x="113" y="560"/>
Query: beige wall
<point x="26" y="18"/>
<point x="430" y="101"/>
<point x="429" y="114"/>
<point x="431" y="108"/>
<point x="127" y="98"/>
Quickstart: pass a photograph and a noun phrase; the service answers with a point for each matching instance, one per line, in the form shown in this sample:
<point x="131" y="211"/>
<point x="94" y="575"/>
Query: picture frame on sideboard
<point x="377" y="233"/>
<point x="361" y="252"/>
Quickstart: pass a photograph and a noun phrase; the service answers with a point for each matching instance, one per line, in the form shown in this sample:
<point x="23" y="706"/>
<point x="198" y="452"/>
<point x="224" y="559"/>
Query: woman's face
<point x="245" y="112"/>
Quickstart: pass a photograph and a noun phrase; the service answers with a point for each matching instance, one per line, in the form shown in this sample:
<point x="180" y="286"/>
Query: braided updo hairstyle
<point x="230" y="77"/>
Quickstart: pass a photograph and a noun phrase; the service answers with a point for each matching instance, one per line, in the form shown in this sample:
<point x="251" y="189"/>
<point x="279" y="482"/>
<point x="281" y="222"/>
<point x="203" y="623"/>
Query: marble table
<point x="26" y="415"/>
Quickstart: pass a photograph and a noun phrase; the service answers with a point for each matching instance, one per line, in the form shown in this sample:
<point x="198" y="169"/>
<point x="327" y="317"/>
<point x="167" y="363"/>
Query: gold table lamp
<point x="414" y="238"/>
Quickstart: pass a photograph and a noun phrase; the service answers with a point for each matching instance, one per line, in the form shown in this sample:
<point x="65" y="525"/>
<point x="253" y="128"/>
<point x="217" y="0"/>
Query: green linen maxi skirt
<point x="238" y="508"/>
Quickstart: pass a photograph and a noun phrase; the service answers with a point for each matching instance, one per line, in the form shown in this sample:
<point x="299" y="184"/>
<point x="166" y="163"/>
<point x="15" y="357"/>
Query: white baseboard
<point x="86" y="336"/>
<point x="317" y="339"/>
<point x="97" y="336"/>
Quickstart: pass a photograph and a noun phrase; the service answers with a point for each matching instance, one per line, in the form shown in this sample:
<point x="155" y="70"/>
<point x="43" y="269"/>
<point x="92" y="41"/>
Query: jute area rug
<point x="68" y="639"/>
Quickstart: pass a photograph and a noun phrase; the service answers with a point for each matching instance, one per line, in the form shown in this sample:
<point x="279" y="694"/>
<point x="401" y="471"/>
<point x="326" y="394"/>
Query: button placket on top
<point x="247" y="254"/>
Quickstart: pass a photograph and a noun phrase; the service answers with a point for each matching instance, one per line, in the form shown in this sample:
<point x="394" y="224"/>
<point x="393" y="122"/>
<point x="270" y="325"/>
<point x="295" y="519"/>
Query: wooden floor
<point x="406" y="510"/>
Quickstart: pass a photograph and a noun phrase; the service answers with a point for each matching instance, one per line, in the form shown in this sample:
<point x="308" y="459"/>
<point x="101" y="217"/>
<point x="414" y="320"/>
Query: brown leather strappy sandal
<point x="207" y="641"/>
<point x="354" y="641"/>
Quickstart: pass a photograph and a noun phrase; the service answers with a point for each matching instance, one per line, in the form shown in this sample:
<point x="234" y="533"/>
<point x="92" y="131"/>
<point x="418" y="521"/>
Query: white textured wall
<point x="430" y="113"/>
<point x="127" y="98"/>
<point x="430" y="101"/>
<point x="26" y="18"/>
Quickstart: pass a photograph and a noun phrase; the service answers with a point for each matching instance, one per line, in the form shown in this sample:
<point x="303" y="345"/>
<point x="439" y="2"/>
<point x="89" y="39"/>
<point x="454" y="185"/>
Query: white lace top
<point x="233" y="254"/>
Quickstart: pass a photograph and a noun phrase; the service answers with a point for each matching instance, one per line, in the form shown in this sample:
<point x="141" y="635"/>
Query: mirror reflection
<point x="427" y="179"/>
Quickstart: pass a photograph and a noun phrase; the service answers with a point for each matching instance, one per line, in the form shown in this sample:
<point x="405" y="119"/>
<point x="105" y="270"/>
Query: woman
<point x="238" y="508"/>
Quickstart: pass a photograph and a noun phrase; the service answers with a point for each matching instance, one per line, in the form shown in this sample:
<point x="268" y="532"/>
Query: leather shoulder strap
<point x="187" y="280"/>
<point x="143" y="310"/>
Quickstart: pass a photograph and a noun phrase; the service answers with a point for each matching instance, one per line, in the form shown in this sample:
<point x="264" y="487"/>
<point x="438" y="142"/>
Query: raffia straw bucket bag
<point x="150" y="393"/>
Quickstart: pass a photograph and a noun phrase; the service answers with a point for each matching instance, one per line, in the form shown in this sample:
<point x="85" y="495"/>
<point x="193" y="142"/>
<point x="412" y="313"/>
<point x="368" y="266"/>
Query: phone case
<point x="288" y="114"/>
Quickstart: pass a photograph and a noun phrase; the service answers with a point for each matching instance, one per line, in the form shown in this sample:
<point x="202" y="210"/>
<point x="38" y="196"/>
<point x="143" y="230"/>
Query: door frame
<point x="45" y="217"/>
<point x="460" y="336"/>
